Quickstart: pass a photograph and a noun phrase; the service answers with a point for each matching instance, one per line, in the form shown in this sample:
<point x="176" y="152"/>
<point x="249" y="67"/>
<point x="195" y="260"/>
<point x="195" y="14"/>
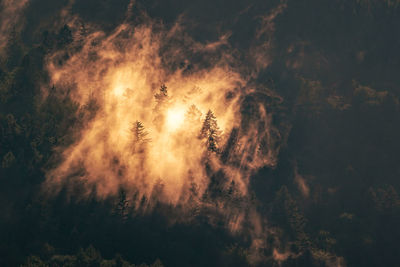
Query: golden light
<point x="168" y="150"/>
<point x="167" y="159"/>
<point x="118" y="90"/>
<point x="175" y="117"/>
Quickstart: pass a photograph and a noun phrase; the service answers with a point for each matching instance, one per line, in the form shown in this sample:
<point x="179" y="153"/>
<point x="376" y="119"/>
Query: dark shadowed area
<point x="199" y="133"/>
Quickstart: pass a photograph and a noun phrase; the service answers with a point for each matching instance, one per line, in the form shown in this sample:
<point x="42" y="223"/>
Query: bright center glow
<point x="175" y="118"/>
<point x="119" y="90"/>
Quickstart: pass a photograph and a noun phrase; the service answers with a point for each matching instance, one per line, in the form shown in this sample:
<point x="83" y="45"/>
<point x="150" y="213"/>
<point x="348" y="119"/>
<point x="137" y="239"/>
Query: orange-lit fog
<point x="166" y="158"/>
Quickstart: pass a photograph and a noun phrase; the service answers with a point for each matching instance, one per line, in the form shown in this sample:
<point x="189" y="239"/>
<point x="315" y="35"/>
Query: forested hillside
<point x="199" y="133"/>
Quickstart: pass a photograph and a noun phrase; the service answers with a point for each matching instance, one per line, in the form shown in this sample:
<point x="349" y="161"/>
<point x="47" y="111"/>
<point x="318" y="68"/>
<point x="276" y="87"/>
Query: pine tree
<point x="213" y="140"/>
<point x="288" y="214"/>
<point x="193" y="114"/>
<point x="139" y="132"/>
<point x="139" y="137"/>
<point x="162" y="94"/>
<point x="210" y="131"/>
<point x="122" y="205"/>
<point x="159" y="110"/>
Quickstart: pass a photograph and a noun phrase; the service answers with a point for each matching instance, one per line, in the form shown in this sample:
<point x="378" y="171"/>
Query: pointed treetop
<point x="162" y="94"/>
<point x="139" y="132"/>
<point x="210" y="131"/>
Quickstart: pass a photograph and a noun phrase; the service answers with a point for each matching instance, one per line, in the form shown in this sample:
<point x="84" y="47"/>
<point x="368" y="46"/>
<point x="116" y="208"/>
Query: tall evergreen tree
<point x="139" y="132"/>
<point x="122" y="205"/>
<point x="139" y="137"/>
<point x="210" y="131"/>
<point x="162" y="99"/>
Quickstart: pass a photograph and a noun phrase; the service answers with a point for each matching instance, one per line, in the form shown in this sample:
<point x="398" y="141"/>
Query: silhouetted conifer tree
<point x="139" y="138"/>
<point x="139" y="132"/>
<point x="123" y="205"/>
<point x="210" y="131"/>
<point x="162" y="94"/>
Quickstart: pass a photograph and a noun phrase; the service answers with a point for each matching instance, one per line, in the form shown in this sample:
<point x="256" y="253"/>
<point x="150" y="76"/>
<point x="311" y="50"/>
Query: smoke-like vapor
<point x="264" y="39"/>
<point x="174" y="121"/>
<point x="10" y="18"/>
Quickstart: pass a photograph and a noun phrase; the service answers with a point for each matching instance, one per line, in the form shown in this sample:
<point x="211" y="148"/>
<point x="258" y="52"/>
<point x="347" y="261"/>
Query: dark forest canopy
<point x="321" y="83"/>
